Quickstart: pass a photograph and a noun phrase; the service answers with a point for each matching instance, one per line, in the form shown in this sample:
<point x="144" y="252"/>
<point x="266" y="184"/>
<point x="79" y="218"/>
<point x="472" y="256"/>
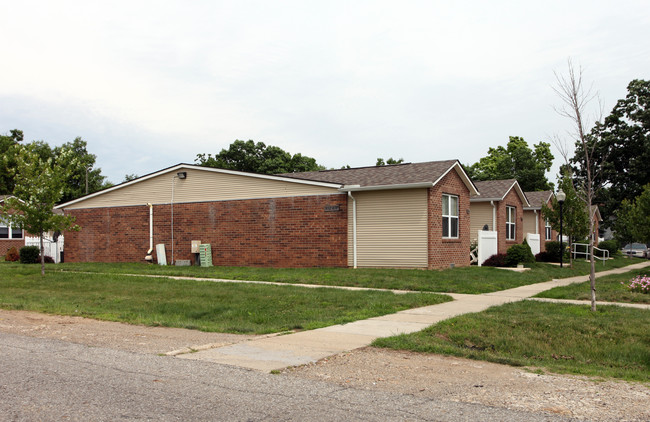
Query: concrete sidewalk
<point x="277" y="352"/>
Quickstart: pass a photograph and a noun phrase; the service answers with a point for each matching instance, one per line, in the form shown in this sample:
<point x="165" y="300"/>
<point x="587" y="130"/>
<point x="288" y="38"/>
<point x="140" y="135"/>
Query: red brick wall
<point x="443" y="252"/>
<point x="280" y="232"/>
<point x="512" y="199"/>
<point x="6" y="244"/>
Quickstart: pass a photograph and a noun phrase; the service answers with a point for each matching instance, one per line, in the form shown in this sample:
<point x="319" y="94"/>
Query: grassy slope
<point x="613" y="342"/>
<point x="471" y="280"/>
<point x="608" y="289"/>
<point x="203" y="305"/>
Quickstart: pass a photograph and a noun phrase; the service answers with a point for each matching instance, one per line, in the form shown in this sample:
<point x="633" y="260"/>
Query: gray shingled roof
<point x="398" y="174"/>
<point x="493" y="189"/>
<point x="536" y="199"/>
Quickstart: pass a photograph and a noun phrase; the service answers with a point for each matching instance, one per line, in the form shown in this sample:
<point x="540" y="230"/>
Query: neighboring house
<point x="9" y="236"/>
<point x="499" y="208"/>
<point x="595" y="215"/>
<point x="407" y="215"/>
<point x="534" y="221"/>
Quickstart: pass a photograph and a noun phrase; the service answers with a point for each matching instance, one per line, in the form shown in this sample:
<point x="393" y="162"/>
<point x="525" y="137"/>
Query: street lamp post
<point x="561" y="197"/>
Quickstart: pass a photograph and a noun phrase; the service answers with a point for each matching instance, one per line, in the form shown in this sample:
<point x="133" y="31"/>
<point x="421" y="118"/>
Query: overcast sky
<point x="149" y="84"/>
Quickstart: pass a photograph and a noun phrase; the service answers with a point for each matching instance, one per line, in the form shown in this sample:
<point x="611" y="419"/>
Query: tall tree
<point x="389" y="162"/>
<point x="83" y="178"/>
<point x="575" y="100"/>
<point x="39" y="185"/>
<point x="621" y="146"/>
<point x="8" y="145"/>
<point x="9" y="148"/>
<point x="258" y="158"/>
<point x="632" y="222"/>
<point x="516" y="161"/>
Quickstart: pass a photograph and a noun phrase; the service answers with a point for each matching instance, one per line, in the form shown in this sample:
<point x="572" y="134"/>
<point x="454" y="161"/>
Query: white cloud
<point x="345" y="82"/>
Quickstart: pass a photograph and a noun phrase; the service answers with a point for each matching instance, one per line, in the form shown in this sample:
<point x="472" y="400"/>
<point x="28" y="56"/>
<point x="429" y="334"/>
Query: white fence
<point x="534" y="241"/>
<point x="487" y="245"/>
<point x="50" y="248"/>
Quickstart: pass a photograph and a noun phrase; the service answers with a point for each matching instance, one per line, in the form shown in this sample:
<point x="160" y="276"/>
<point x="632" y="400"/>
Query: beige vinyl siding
<point x="391" y="229"/>
<point x="529" y="222"/>
<point x="200" y="186"/>
<point x="480" y="214"/>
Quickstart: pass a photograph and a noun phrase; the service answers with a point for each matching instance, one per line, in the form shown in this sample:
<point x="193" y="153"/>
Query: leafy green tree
<point x="258" y="158"/>
<point x="39" y="185"/>
<point x="129" y="177"/>
<point x="8" y="144"/>
<point x="389" y="162"/>
<point x="632" y="222"/>
<point x="9" y="148"/>
<point x="516" y="161"/>
<point x="621" y="149"/>
<point x="82" y="178"/>
<point x="575" y="218"/>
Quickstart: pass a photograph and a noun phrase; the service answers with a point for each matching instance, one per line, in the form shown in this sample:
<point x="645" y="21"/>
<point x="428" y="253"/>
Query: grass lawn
<point x="613" y="342"/>
<point x="470" y="280"/>
<point x="608" y="289"/>
<point x="202" y="305"/>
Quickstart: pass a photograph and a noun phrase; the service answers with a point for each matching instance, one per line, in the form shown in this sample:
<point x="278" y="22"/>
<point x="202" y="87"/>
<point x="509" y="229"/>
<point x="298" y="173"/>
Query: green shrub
<point x="611" y="245"/>
<point x="29" y="254"/>
<point x="12" y="255"/>
<point x="496" y="260"/>
<point x="47" y="259"/>
<point x="553" y="251"/>
<point x="519" y="254"/>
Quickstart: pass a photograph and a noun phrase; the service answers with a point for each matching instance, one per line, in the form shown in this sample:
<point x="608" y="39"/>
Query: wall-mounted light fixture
<point x="182" y="174"/>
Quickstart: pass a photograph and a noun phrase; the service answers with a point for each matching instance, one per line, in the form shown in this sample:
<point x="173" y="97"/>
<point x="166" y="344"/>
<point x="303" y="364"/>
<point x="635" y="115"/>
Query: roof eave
<point x="357" y="188"/>
<point x="200" y="168"/>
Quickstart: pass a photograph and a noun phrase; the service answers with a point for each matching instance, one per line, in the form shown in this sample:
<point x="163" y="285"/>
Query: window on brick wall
<point x="547" y="230"/>
<point x="511" y="227"/>
<point x="449" y="216"/>
<point x="8" y="232"/>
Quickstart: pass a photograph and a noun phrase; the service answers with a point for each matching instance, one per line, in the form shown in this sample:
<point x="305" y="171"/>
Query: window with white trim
<point x="8" y="232"/>
<point x="511" y="227"/>
<point x="450" y="216"/>
<point x="547" y="230"/>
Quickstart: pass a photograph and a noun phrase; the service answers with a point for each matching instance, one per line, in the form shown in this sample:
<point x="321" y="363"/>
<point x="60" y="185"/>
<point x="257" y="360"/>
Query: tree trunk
<point x="592" y="261"/>
<point x="42" y="256"/>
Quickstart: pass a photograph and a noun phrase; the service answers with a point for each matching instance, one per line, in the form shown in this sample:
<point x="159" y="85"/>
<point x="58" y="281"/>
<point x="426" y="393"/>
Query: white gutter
<point x="494" y="216"/>
<point x="354" y="230"/>
<point x="357" y="188"/>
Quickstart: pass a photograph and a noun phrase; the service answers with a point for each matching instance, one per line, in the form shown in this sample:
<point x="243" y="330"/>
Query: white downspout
<point x="494" y="216"/>
<point x="536" y="222"/>
<point x="354" y="230"/>
<point x="172" y="212"/>
<point x="149" y="252"/>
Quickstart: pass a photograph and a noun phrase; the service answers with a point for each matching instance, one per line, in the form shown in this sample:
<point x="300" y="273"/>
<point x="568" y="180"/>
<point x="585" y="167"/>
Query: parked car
<point x="636" y="249"/>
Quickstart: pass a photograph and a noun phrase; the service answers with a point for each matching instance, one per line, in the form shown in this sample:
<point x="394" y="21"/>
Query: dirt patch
<point x="133" y="338"/>
<point x="424" y="375"/>
<point x="464" y="380"/>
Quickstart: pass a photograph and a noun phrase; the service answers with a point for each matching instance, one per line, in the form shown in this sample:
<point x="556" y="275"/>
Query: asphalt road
<point x="47" y="380"/>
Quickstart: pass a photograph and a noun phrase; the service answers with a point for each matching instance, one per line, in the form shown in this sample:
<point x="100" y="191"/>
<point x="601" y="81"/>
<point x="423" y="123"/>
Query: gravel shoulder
<point x="422" y="375"/>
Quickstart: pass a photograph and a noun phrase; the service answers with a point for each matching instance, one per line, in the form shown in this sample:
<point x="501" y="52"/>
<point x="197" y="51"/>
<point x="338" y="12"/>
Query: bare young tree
<point x="575" y="99"/>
